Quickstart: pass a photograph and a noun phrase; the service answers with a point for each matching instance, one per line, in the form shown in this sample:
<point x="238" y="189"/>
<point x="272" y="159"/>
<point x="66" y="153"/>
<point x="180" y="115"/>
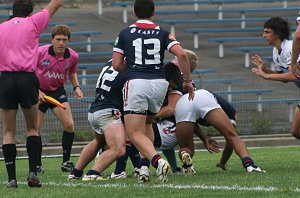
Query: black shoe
<point x="67" y="166"/>
<point x="12" y="184"/>
<point x="40" y="169"/>
<point x="33" y="181"/>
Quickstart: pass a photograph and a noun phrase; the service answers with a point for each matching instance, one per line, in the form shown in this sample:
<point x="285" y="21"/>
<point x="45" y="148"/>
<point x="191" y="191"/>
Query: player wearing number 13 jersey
<point x="143" y="44"/>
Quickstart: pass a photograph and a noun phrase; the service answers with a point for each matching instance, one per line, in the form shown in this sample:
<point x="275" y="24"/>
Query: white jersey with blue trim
<point x="282" y="60"/>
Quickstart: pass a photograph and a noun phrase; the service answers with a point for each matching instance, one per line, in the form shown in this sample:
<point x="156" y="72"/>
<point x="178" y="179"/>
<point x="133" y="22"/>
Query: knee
<point x="69" y="126"/>
<point x="121" y="151"/>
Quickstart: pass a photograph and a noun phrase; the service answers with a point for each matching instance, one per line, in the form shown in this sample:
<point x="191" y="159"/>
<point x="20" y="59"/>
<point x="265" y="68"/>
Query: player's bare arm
<point x="77" y="90"/>
<point x="296" y="52"/>
<point x="118" y="62"/>
<point x="53" y="6"/>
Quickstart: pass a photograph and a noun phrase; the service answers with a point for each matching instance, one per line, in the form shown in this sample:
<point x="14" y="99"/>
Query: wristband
<point x="188" y="80"/>
<point x="76" y="87"/>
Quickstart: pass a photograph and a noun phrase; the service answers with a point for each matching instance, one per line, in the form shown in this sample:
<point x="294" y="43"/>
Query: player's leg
<point x="28" y="92"/>
<point x="66" y="120"/>
<point x="219" y="120"/>
<point x="9" y="145"/>
<point x="87" y="154"/>
<point x="296" y="123"/>
<point x="144" y="163"/>
<point x="143" y="98"/>
<point x="184" y="134"/>
<point x="115" y="140"/>
<point x="135" y="158"/>
<point x="40" y="118"/>
<point x="135" y="128"/>
<point x="120" y="169"/>
<point x="136" y="131"/>
<point x="171" y="157"/>
<point x="33" y="144"/>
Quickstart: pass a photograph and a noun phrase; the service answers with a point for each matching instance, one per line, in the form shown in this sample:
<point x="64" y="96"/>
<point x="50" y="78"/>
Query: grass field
<point x="282" y="179"/>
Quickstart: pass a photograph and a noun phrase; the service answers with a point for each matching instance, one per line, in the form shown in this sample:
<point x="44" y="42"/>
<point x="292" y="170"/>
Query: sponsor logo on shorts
<point x="116" y="114"/>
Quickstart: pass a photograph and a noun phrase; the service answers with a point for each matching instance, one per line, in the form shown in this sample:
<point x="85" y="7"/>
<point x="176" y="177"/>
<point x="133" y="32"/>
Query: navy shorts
<point x="59" y="94"/>
<point x="18" y="88"/>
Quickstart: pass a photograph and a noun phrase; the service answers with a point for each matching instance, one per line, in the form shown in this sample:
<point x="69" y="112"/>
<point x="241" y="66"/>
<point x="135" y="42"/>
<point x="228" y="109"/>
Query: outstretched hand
<point x="259" y="72"/>
<point x="212" y="145"/>
<point x="256" y="60"/>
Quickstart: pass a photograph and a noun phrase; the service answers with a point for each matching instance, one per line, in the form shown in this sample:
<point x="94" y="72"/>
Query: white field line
<point x="164" y="186"/>
<point x="202" y="150"/>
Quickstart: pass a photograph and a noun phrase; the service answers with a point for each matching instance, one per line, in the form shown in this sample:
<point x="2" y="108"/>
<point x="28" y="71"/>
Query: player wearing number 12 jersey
<point x="105" y="118"/>
<point x="143" y="45"/>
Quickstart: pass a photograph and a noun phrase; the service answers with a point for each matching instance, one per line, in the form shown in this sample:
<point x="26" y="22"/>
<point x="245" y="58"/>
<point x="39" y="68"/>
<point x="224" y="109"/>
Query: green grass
<point x="281" y="179"/>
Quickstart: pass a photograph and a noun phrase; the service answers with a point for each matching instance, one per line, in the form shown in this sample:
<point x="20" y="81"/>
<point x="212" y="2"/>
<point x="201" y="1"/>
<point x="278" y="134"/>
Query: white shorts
<point x="191" y="111"/>
<point x="142" y="95"/>
<point x="167" y="132"/>
<point x="99" y="120"/>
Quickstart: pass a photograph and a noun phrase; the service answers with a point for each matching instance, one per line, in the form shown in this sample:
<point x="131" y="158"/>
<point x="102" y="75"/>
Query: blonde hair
<point x="193" y="59"/>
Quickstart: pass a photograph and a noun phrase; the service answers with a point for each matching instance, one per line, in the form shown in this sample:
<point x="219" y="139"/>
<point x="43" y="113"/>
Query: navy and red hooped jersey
<point x="109" y="89"/>
<point x="143" y="45"/>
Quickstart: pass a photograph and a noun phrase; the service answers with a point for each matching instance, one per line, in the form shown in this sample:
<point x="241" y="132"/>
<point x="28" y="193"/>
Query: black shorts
<point x="18" y="88"/>
<point x="60" y="95"/>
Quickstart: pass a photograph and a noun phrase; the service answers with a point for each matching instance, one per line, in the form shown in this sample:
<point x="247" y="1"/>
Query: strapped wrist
<point x="74" y="88"/>
<point x="188" y="80"/>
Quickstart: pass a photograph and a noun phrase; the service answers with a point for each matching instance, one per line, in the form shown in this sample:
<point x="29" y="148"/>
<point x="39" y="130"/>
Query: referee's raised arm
<point x="53" y="6"/>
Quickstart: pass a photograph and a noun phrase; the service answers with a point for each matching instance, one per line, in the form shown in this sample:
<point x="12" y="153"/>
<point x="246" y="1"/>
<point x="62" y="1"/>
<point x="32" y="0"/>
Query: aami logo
<point x="54" y="75"/>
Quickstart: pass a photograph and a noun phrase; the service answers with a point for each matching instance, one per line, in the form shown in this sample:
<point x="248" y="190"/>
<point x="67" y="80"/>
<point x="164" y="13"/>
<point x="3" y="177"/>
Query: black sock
<point x="10" y="153"/>
<point x="33" y="146"/>
<point x="40" y="152"/>
<point x="154" y="160"/>
<point x="247" y="161"/>
<point x="67" y="142"/>
<point x="76" y="172"/>
<point x="144" y="162"/>
<point x="93" y="172"/>
<point x="121" y="163"/>
<point x="134" y="155"/>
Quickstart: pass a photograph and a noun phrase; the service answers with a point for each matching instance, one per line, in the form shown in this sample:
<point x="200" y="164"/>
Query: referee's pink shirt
<point x="19" y="38"/>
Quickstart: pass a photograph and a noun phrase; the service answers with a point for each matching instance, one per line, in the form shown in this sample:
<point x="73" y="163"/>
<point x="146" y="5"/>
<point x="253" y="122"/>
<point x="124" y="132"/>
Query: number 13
<point x="138" y="43"/>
